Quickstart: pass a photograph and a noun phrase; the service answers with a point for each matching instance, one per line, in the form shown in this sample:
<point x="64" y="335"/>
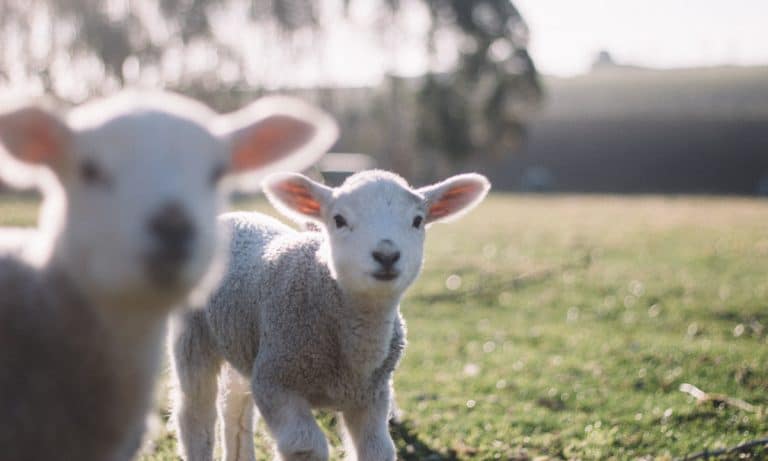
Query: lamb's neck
<point x="133" y="332"/>
<point x="134" y="326"/>
<point x="134" y="340"/>
<point x="136" y="334"/>
<point x="125" y="345"/>
<point x="366" y="331"/>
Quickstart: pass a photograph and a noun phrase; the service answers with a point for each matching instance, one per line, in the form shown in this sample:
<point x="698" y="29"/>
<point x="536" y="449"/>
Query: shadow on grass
<point x="491" y="287"/>
<point x="410" y="447"/>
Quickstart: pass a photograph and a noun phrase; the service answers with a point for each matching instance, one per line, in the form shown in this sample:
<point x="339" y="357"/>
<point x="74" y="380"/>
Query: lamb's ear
<point x="275" y="134"/>
<point x="297" y="196"/>
<point x="34" y="136"/>
<point x="455" y="196"/>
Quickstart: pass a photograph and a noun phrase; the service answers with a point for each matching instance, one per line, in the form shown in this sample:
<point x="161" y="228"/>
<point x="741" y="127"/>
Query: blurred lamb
<point x="133" y="187"/>
<point x="311" y="319"/>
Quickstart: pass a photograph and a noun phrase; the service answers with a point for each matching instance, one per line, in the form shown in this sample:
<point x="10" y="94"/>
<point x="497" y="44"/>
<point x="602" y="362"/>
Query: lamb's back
<point x="274" y="277"/>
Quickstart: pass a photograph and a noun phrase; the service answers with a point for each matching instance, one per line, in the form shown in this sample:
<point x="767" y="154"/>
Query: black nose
<point x="172" y="229"/>
<point x="386" y="259"/>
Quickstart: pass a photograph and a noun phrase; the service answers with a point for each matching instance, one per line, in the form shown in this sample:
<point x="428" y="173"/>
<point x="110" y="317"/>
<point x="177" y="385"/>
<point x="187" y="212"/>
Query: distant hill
<point x="637" y="130"/>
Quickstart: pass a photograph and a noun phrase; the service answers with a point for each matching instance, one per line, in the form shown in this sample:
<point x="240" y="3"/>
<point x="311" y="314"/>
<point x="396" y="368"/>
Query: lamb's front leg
<point x="236" y="410"/>
<point x="290" y="421"/>
<point x="195" y="366"/>
<point x="367" y="431"/>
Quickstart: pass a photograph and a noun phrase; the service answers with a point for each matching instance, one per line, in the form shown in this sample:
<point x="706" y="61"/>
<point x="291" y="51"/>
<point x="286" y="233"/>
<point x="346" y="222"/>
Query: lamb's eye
<point x="340" y="221"/>
<point x="218" y="172"/>
<point x="92" y="174"/>
<point x="417" y="221"/>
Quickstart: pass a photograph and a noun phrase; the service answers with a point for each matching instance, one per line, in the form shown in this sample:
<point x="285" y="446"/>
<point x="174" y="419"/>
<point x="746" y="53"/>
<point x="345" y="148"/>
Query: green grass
<point x="18" y="210"/>
<point x="571" y="325"/>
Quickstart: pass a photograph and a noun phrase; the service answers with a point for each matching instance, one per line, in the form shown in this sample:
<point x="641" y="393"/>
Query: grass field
<point x="562" y="327"/>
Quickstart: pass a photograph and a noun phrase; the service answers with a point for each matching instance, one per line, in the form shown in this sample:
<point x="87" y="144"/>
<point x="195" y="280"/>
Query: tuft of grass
<point x="570" y="324"/>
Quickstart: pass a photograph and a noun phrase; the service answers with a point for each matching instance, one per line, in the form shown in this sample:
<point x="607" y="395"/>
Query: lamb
<point x="311" y="319"/>
<point x="133" y="185"/>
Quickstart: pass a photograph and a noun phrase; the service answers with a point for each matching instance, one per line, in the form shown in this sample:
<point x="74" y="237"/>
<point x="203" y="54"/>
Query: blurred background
<point x="548" y="326"/>
<point x="542" y="95"/>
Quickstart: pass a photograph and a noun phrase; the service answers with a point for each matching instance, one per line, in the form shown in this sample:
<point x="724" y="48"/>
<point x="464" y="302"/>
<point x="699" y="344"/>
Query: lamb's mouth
<point x="165" y="268"/>
<point x="385" y="276"/>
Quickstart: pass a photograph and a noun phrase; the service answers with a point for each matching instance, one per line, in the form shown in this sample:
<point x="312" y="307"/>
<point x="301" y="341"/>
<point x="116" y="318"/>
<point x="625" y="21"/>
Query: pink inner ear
<point x="270" y="140"/>
<point x="298" y="197"/>
<point x="454" y="199"/>
<point x="34" y="136"/>
<point x="42" y="145"/>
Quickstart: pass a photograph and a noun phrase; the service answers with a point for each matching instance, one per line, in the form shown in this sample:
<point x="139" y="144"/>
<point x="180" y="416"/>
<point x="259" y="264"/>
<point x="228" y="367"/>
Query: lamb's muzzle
<point x="173" y="233"/>
<point x="387" y="255"/>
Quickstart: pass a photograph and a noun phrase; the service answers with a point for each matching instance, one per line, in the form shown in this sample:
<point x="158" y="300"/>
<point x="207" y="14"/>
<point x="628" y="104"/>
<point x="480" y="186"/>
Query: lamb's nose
<point x="172" y="229"/>
<point x="386" y="259"/>
<point x="386" y="254"/>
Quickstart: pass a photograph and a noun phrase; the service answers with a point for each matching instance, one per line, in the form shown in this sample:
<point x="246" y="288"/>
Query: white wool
<point x="311" y="319"/>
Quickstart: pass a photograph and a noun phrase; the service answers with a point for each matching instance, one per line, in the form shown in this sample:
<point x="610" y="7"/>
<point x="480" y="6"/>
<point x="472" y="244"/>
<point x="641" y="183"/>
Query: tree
<point x="477" y="104"/>
<point x="482" y="103"/>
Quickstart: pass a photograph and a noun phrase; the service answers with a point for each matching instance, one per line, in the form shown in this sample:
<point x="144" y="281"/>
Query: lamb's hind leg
<point x="236" y="410"/>
<point x="195" y="365"/>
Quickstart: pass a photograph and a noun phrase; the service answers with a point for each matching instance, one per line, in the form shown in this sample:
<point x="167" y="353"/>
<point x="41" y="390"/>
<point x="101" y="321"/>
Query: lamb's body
<point x="70" y="398"/>
<point x="278" y="277"/>
<point x="281" y="319"/>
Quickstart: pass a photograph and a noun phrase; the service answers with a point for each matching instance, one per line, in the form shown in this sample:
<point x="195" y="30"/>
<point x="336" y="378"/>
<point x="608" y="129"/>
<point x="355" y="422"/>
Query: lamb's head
<point x="375" y="222"/>
<point x="143" y="177"/>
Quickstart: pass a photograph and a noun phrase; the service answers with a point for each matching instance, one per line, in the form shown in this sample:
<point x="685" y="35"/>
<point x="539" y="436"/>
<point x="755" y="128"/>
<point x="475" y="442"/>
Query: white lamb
<point x="136" y="184"/>
<point x="311" y="319"/>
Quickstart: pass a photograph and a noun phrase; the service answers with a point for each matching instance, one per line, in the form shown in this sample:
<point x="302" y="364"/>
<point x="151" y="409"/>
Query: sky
<point x="567" y="34"/>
